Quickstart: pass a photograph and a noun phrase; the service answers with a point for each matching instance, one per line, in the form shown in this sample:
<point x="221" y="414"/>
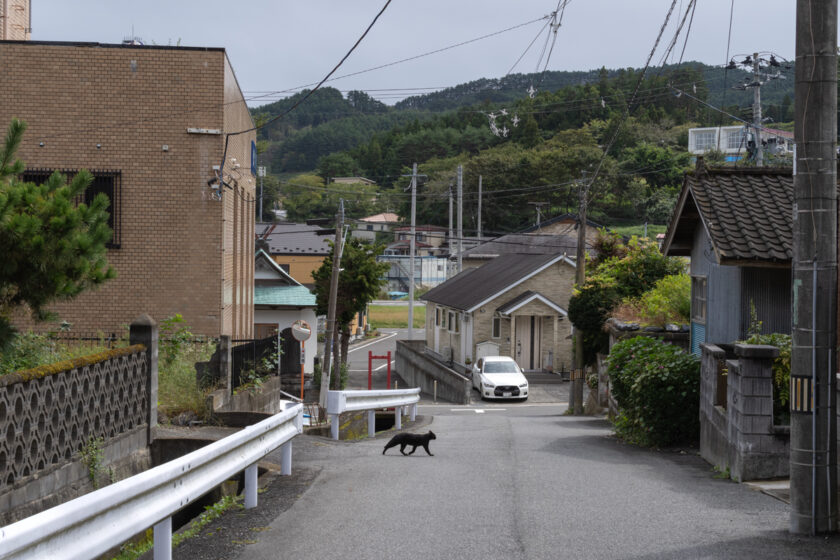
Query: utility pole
<point x="813" y="428"/>
<point x="759" y="153"/>
<point x="460" y="218"/>
<point x="538" y="207"/>
<point x="580" y="279"/>
<point x="336" y="269"/>
<point x="451" y="235"/>
<point x="261" y="173"/>
<point x="412" y="244"/>
<point x="478" y="224"/>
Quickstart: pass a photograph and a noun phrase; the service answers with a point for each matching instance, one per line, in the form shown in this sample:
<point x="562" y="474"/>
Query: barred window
<point x="108" y="182"/>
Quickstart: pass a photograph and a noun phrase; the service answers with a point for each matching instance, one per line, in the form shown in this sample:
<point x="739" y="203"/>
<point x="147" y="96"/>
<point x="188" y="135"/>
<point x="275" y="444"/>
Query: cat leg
<point x="413" y="449"/>
<point x="402" y="448"/>
<point x="426" y="447"/>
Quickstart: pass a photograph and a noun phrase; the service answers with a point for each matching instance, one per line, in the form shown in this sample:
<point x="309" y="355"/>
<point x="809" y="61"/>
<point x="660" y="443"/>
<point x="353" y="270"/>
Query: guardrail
<point x="350" y="401"/>
<point x="94" y="523"/>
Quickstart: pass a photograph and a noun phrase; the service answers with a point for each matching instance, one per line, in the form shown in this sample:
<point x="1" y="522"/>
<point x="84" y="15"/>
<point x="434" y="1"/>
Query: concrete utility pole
<point x="478" y="224"/>
<point x="538" y="207"/>
<point x="813" y="428"/>
<point x="759" y="152"/>
<point x="261" y="173"/>
<point x="336" y="268"/>
<point x="460" y="218"/>
<point x="412" y="245"/>
<point x="451" y="235"/>
<point x="580" y="279"/>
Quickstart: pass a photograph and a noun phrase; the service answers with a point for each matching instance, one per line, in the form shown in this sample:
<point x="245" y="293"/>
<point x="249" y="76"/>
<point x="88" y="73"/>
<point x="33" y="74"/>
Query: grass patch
<point x="30" y="350"/>
<point x="177" y="388"/>
<point x="395" y="316"/>
<point x="639" y="231"/>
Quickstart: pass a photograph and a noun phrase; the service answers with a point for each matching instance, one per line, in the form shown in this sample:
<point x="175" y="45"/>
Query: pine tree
<point x="53" y="249"/>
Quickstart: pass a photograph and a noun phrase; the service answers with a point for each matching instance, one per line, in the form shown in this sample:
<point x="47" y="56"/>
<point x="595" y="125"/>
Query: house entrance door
<point x="528" y="338"/>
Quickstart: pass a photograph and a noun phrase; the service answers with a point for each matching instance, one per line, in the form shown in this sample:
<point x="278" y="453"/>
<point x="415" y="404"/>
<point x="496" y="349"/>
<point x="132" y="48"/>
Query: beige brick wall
<point x="14" y="20"/>
<point x="180" y="251"/>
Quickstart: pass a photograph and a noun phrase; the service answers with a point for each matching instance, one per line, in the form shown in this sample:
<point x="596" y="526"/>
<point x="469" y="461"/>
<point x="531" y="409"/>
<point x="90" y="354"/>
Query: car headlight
<point x="487" y="384"/>
<point x="523" y="386"/>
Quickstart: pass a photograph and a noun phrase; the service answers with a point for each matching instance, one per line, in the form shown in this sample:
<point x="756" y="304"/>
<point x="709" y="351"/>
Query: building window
<point x="437" y="316"/>
<point x="497" y="328"/>
<point x="107" y="182"/>
<point x="704" y="139"/>
<point x="285" y="268"/>
<point x="736" y="140"/>
<point x="698" y="299"/>
<point x="370" y="227"/>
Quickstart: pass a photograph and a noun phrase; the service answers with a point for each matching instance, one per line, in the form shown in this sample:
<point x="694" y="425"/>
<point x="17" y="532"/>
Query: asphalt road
<point x="527" y="484"/>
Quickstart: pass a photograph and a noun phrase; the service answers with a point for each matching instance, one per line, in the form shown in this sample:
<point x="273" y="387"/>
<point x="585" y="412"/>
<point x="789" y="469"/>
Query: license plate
<point x="506" y="394"/>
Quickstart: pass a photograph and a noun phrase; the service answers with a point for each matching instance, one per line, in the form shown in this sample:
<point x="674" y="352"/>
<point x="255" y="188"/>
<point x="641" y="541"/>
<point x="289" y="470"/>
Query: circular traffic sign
<point x="301" y="330"/>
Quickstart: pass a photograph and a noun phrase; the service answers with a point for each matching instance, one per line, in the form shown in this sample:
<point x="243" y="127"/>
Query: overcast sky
<point x="277" y="45"/>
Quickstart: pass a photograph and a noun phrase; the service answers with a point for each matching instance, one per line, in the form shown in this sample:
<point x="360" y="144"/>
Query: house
<point x="734" y="141"/>
<point x="299" y="249"/>
<point x="432" y="239"/>
<point x="280" y="301"/>
<point x="150" y="123"/>
<point x="514" y="305"/>
<point x="552" y="236"/>
<point x="368" y="227"/>
<point x="736" y="225"/>
<point x="351" y="181"/>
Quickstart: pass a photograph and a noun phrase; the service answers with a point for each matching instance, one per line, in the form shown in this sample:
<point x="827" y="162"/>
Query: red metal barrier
<point x="371" y="357"/>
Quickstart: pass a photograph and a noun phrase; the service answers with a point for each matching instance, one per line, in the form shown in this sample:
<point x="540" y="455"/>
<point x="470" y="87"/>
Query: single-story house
<point x="736" y="224"/>
<point x="279" y="301"/>
<point x="515" y="305"/>
<point x="367" y="228"/>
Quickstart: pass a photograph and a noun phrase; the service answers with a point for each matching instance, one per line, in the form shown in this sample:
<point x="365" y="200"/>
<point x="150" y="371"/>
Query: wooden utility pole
<point x="580" y="278"/>
<point x="330" y="336"/>
<point x="813" y="428"/>
<point x="412" y="245"/>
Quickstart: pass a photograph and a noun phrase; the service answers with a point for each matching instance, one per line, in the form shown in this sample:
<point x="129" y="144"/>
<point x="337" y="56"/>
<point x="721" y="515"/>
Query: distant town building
<point x="735" y="141"/>
<point x="351" y="181"/>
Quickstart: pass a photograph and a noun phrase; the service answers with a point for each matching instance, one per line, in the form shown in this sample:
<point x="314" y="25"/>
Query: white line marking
<point x="372" y="342"/>
<point x="384" y="365"/>
<point x="477" y="410"/>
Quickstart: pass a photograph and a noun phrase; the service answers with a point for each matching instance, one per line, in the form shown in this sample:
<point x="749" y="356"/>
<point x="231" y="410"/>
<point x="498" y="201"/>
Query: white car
<point x="499" y="377"/>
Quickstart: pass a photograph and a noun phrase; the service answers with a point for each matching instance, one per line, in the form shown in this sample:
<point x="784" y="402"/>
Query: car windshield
<point x="500" y="367"/>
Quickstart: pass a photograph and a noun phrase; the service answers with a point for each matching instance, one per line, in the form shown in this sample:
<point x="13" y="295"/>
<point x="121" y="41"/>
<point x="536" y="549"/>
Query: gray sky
<point x="282" y="45"/>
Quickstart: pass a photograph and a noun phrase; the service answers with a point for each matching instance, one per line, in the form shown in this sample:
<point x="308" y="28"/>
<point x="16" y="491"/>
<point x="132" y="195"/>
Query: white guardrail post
<point x="352" y="401"/>
<point x="99" y="521"/>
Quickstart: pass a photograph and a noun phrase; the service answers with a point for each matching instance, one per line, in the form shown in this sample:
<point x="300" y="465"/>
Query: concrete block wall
<point x="46" y="421"/>
<point x="741" y="437"/>
<point x="417" y="369"/>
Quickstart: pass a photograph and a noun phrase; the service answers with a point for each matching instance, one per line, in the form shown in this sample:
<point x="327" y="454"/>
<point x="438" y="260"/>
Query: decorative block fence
<point x="736" y="413"/>
<point x="51" y="413"/>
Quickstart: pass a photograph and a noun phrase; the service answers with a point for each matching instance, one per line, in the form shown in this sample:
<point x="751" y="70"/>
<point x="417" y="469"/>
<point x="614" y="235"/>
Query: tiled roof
<point x="475" y="285"/>
<point x="292" y="296"/>
<point x="524" y="243"/>
<point x="294" y="239"/>
<point x="748" y="214"/>
<point x="385" y="217"/>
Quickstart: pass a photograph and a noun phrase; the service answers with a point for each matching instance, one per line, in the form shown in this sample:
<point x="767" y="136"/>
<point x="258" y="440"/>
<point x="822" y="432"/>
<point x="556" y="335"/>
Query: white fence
<point x="94" y="523"/>
<point x="349" y="401"/>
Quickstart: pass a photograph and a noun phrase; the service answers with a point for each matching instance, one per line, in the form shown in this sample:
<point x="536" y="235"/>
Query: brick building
<point x="150" y="123"/>
<point x="15" y="20"/>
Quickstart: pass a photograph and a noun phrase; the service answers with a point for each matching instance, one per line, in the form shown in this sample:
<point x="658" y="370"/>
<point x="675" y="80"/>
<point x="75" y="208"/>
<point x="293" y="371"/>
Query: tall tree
<point x="359" y="283"/>
<point x="53" y="249"/>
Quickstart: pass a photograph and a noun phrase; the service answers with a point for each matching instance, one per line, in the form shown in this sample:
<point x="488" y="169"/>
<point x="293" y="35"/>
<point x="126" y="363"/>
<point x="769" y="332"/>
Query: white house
<point x="734" y="140"/>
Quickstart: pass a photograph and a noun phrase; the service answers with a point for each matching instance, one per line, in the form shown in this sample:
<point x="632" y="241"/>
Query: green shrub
<point x="657" y="387"/>
<point x="668" y="302"/>
<point x="781" y="373"/>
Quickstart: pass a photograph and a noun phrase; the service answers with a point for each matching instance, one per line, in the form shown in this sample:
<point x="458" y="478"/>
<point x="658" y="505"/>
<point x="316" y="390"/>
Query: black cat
<point x="414" y="440"/>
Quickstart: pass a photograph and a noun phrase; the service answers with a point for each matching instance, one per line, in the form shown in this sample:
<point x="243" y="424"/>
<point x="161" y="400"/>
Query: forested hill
<point x="514" y="86"/>
<point x="330" y="122"/>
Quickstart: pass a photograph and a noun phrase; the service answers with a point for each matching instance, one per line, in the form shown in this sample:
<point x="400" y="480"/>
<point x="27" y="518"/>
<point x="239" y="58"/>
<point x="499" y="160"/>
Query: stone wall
<point x="418" y="369"/>
<point x="738" y="434"/>
<point x="51" y="414"/>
